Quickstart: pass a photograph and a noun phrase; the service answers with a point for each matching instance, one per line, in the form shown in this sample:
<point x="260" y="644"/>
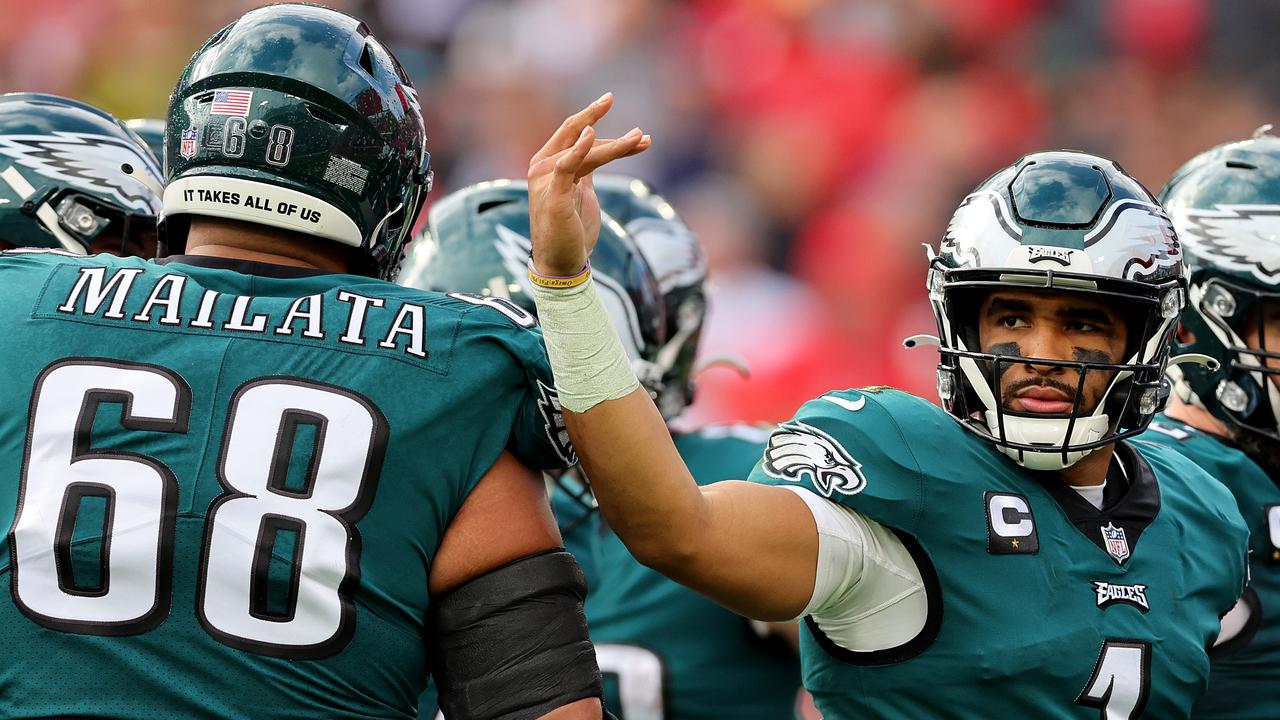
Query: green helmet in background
<point x="151" y="130"/>
<point x="295" y="116"/>
<point x="1225" y="204"/>
<point x="476" y="242"/>
<point x="680" y="267"/>
<point x="74" y="177"/>
<point x="1057" y="221"/>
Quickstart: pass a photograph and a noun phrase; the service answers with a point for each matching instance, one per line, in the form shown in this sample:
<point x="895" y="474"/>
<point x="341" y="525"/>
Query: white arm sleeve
<point x="868" y="594"/>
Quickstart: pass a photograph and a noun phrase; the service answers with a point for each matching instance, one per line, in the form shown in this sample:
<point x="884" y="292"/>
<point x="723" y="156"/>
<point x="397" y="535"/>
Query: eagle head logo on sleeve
<point x="799" y="452"/>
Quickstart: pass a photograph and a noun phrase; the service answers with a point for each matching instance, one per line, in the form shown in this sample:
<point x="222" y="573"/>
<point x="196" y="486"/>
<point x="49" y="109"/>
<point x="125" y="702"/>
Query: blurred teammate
<point x="1225" y="204"/>
<point x="665" y="651"/>
<point x="62" y="184"/>
<point x="254" y="480"/>
<point x="1010" y="556"/>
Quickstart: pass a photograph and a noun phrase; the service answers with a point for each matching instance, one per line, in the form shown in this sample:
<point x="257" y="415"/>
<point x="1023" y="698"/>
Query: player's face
<point x="1262" y="332"/>
<point x="1053" y="326"/>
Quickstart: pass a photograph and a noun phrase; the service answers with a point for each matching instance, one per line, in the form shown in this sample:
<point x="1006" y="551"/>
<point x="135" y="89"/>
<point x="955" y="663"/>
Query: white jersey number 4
<point x="313" y="618"/>
<point x="1121" y="680"/>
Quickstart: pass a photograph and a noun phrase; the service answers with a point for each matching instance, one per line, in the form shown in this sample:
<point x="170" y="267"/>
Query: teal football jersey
<point x="666" y="652"/>
<point x="1245" y="683"/>
<point x="226" y="489"/>
<point x="1040" y="605"/>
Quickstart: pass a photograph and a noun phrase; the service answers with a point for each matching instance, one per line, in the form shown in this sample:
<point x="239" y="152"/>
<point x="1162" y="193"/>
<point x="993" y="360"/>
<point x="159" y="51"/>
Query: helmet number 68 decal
<point x="236" y="131"/>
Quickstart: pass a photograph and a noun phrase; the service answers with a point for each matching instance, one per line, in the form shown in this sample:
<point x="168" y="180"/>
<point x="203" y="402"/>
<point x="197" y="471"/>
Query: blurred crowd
<point x="814" y="145"/>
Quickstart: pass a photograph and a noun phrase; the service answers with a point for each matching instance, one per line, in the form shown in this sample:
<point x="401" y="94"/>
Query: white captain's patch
<point x="89" y="161"/>
<point x="797" y="452"/>
<point x="1238" y="237"/>
<point x="1135" y="595"/>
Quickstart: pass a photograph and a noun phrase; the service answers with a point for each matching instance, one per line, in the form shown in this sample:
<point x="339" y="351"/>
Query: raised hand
<point x="564" y="214"/>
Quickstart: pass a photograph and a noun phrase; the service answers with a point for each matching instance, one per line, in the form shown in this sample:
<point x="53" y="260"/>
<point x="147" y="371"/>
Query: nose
<point x="1044" y="341"/>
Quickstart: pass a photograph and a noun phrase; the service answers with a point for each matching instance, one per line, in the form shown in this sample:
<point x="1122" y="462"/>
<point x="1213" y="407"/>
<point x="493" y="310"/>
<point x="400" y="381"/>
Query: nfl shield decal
<point x="187" y="148"/>
<point x="1116" y="543"/>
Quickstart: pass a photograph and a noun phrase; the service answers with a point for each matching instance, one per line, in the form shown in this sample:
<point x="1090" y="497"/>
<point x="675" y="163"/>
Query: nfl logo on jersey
<point x="1117" y="543"/>
<point x="188" y="147"/>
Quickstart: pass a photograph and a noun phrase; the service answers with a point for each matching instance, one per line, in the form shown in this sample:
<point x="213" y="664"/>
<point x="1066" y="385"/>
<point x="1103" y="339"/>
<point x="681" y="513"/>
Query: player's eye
<point x="1081" y="326"/>
<point x="1013" y="321"/>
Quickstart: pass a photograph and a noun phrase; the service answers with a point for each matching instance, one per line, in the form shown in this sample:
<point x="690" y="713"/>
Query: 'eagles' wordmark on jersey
<point x="239" y="479"/>
<point x="1245" y="682"/>
<point x="1077" y="627"/>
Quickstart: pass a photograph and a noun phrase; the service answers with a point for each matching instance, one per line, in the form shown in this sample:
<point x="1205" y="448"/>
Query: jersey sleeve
<point x="848" y="447"/>
<point x="538" y="435"/>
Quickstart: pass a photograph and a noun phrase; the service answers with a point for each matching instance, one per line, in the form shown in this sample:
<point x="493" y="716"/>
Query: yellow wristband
<point x="559" y="282"/>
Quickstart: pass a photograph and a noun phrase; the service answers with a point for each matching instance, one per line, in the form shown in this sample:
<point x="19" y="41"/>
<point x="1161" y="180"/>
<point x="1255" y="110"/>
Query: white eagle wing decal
<point x="1136" y="233"/>
<point x="981" y="226"/>
<point x="798" y="451"/>
<point x="89" y="161"/>
<point x="1239" y="237"/>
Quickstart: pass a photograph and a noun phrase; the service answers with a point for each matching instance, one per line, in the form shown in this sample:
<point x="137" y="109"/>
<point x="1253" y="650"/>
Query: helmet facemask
<point x="1248" y="398"/>
<point x="970" y="380"/>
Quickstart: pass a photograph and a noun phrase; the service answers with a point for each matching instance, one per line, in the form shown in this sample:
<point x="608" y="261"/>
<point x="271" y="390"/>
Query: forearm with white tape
<point x="587" y="358"/>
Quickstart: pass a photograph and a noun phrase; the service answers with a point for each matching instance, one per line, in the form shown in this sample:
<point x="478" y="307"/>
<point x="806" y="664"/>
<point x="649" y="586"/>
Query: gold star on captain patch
<point x="1275" y="554"/>
<point x="1014" y="542"/>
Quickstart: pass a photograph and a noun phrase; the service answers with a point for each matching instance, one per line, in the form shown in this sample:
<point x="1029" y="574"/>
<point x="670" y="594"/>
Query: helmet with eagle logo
<point x="680" y="267"/>
<point x="476" y="244"/>
<point x="1060" y="222"/>
<point x="477" y="241"/>
<point x="1225" y="204"/>
<point x="74" y="177"/>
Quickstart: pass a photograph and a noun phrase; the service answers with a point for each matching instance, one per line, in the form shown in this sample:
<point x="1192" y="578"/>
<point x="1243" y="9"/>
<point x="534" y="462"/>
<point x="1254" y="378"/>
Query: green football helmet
<point x="476" y="243"/>
<point x="74" y="177"/>
<point x="680" y="267"/>
<point x="295" y="116"/>
<point x="151" y="130"/>
<point x="1057" y="221"/>
<point x="1225" y="204"/>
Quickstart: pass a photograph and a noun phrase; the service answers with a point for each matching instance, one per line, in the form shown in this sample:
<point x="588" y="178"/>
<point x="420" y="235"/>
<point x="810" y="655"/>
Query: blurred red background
<point x="814" y="145"/>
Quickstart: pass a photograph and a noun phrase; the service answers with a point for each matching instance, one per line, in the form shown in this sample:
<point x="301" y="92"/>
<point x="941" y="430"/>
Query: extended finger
<point x="571" y="129"/>
<point x="567" y="165"/>
<point x="606" y="152"/>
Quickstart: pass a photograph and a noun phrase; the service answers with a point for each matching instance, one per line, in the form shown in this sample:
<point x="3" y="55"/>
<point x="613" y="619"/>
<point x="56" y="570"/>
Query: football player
<point x="254" y="479"/>
<point x="1011" y="555"/>
<point x="665" y="651"/>
<point x="1225" y="204"/>
<point x="75" y="178"/>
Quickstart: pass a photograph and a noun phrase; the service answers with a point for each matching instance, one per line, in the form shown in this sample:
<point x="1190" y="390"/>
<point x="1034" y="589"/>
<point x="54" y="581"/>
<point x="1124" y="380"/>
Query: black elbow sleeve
<point x="512" y="644"/>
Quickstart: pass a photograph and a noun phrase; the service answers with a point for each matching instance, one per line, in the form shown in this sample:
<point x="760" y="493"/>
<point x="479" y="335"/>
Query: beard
<point x="1263" y="450"/>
